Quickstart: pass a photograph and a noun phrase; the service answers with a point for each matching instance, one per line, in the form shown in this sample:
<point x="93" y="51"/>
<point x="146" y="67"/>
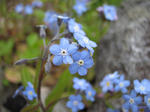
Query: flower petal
<point x="67" y="60"/>
<point x="54" y="49"/>
<point x="73" y="68"/>
<point x="88" y="63"/>
<point x="72" y="48"/>
<point x="64" y="43"/>
<point x="57" y="60"/>
<point x="82" y="71"/>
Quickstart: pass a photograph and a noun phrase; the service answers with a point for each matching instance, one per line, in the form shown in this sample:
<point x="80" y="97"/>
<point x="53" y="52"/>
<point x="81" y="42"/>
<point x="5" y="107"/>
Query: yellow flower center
<point x="149" y="100"/>
<point x="108" y="83"/>
<point x="75" y="103"/>
<point x="30" y="92"/>
<point x="89" y="93"/>
<point x="121" y="84"/>
<point x="80" y="62"/>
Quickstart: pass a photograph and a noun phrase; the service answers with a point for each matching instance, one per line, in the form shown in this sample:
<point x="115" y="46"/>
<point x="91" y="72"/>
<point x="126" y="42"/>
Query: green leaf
<point x="114" y="2"/>
<point x="63" y="83"/>
<point x="32" y="39"/>
<point x="6" y="47"/>
<point x="31" y="108"/>
<point x="26" y="76"/>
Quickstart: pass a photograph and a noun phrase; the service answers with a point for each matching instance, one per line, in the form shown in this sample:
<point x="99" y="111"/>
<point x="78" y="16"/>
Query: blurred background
<point x="124" y="45"/>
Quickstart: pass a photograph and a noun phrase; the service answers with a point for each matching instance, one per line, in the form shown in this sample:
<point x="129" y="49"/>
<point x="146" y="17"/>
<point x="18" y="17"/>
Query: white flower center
<point x="121" y="84"/>
<point x="75" y="103"/>
<point x="30" y="92"/>
<point x="80" y="62"/>
<point x="76" y="28"/>
<point x="63" y="52"/>
<point x="142" y="88"/>
<point x="81" y="83"/>
<point x="89" y="93"/>
<point x="86" y="40"/>
<point x="131" y="101"/>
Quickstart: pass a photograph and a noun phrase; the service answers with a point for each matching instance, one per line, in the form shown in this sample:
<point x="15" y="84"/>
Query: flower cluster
<point x="109" y="12"/>
<point x="114" y="83"/>
<point x="80" y="7"/>
<point x="28" y="93"/>
<point x="28" y="9"/>
<point x="66" y="52"/>
<point x="133" y="101"/>
<point x="82" y="86"/>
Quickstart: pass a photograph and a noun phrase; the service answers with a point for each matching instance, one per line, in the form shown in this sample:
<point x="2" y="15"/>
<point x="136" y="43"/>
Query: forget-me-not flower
<point x="110" y="12"/>
<point x="90" y="94"/>
<point x="37" y="3"/>
<point x="19" y="8"/>
<point x="80" y="8"/>
<point x="28" y="9"/>
<point x="113" y="76"/>
<point x="85" y="42"/>
<point x="75" y="27"/>
<point x="80" y="84"/>
<point x="29" y="92"/>
<point x="147" y="100"/>
<point x="51" y="21"/>
<point x="143" y="87"/>
<point x="107" y="84"/>
<point x="82" y="61"/>
<point x="75" y="103"/>
<point x="121" y="84"/>
<point x="62" y="52"/>
<point x="132" y="101"/>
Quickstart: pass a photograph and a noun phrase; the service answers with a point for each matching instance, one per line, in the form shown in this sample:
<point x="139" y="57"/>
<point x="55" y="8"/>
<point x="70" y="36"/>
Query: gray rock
<point x="126" y="46"/>
<point x="61" y="107"/>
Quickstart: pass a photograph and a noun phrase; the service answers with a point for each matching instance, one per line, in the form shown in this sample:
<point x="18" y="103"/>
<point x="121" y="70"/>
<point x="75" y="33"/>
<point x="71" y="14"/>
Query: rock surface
<point x="126" y="46"/>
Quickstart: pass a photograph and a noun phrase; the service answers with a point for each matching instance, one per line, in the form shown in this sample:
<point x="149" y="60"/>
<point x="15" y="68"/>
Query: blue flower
<point x="51" y="20"/>
<point x="29" y="92"/>
<point x="80" y="84"/>
<point x="90" y="93"/>
<point x="112" y="110"/>
<point x="80" y="8"/>
<point x="107" y="84"/>
<point x="28" y="9"/>
<point x="113" y="76"/>
<point x="147" y="100"/>
<point x="62" y="52"/>
<point x="132" y="101"/>
<point x="121" y="84"/>
<point x="110" y="12"/>
<point x="85" y="42"/>
<point x="19" y="8"/>
<point x="143" y="87"/>
<point x="75" y="27"/>
<point x="82" y="61"/>
<point x="18" y="91"/>
<point x="75" y="103"/>
<point x="37" y="3"/>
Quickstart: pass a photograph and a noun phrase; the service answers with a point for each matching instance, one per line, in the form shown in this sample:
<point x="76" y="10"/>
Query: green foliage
<point x="6" y="47"/>
<point x="33" y="47"/>
<point x="26" y="76"/>
<point x="63" y="83"/>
